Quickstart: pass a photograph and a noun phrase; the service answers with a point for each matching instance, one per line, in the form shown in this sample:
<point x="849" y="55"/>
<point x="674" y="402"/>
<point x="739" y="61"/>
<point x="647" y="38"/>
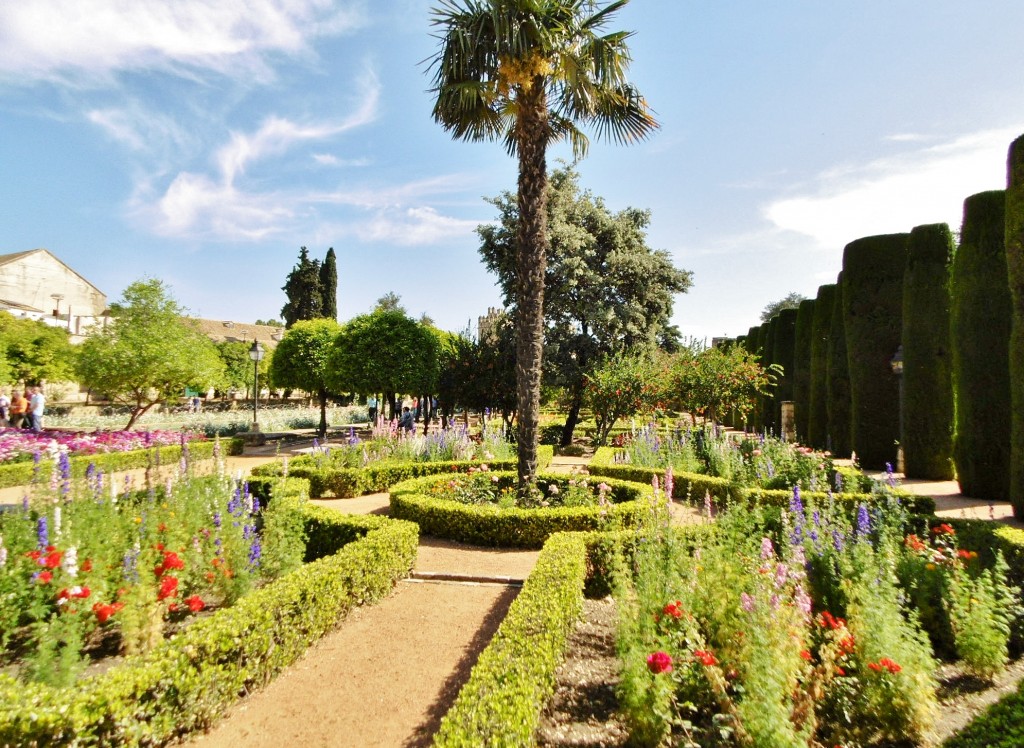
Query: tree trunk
<point x="322" y="429"/>
<point x="572" y="418"/>
<point x="531" y="135"/>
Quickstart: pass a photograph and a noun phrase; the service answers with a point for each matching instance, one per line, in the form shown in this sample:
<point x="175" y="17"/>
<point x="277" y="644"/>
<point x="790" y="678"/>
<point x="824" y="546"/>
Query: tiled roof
<point x="242" y="332"/>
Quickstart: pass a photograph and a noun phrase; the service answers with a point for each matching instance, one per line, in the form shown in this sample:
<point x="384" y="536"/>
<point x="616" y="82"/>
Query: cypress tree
<point x="784" y="356"/>
<point x="757" y="412"/>
<point x="802" y="367"/>
<point x="302" y="288"/>
<point x="1014" y="240"/>
<point x="980" y="327"/>
<point x="817" y="421"/>
<point x="873" y="322"/>
<point x="838" y="380"/>
<point x="769" y="402"/>
<point x="927" y="419"/>
<point x="329" y="286"/>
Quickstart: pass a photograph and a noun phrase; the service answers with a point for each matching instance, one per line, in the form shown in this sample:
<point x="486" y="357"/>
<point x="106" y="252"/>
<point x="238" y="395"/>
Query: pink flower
<point x="659" y="662"/>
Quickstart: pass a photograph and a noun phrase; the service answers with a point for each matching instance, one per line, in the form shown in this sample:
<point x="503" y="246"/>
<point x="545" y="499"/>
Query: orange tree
<point x="709" y="382"/>
<point x="622" y="386"/>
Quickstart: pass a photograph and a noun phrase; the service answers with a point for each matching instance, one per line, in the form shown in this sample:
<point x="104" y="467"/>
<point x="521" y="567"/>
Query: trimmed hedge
<point x="491" y="525"/>
<point x="694" y="486"/>
<point x="802" y="367"/>
<point x="784" y="354"/>
<point x="838" y="406"/>
<point x="980" y="324"/>
<point x="1014" y="242"/>
<point x="927" y="404"/>
<point x="186" y="682"/>
<point x="821" y="326"/>
<point x="346" y="483"/>
<point x="770" y="402"/>
<point x="21" y="473"/>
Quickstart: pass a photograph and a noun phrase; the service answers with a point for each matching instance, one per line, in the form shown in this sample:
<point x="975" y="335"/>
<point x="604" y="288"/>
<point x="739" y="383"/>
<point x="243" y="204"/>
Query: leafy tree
<point x="302" y="361"/>
<point x="385" y="352"/>
<point x="479" y="374"/>
<point x="31" y="351"/>
<point x="269" y="322"/>
<point x="709" y="382"/>
<point x="304" y="291"/>
<point x="605" y="289"/>
<point x="390" y="302"/>
<point x="238" y="367"/>
<point x="530" y="73"/>
<point x="329" y="286"/>
<point x="622" y="385"/>
<point x="790" y="301"/>
<point x="149" y="352"/>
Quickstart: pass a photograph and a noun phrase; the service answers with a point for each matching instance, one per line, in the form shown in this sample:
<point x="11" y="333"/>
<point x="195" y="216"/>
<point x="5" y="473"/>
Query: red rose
<point x="659" y="662"/>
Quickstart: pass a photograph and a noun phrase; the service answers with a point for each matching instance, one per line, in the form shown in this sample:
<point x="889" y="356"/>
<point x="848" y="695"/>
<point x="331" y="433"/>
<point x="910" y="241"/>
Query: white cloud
<point x="71" y="39"/>
<point x="894" y="194"/>
<point x="137" y="128"/>
<point x="329" y="159"/>
<point x="412" y="226"/>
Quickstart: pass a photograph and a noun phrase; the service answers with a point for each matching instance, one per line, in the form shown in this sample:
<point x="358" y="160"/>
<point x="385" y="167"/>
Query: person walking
<point x="406" y="422"/>
<point x="36" y="407"/>
<point x="5" y="406"/>
<point x="19" y="407"/>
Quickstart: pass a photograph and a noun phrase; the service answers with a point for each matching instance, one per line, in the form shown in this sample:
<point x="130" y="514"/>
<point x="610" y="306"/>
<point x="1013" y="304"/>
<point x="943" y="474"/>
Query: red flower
<point x="966" y="555"/>
<point x="52" y="559"/>
<point x="659" y="662"/>
<point x="172" y="561"/>
<point x="45" y="577"/>
<point x="674" y="609"/>
<point x="943" y="529"/>
<point x="161" y="527"/>
<point x="195" y="603"/>
<point x="103" y="611"/>
<point x="805" y="654"/>
<point x="34" y="555"/>
<point x="828" y="621"/>
<point x="885" y="664"/>
<point x="168" y="588"/>
<point x="707" y="659"/>
<point x="87" y="565"/>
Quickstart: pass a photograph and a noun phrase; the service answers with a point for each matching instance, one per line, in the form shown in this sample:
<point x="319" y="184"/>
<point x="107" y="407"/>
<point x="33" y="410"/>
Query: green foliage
<point x="479" y="374"/>
<point x="423" y="501"/>
<point x="622" y="386"/>
<point x="980" y="320"/>
<point x="238" y="367"/>
<point x="148" y="353"/>
<point x="186" y="683"/>
<point x="784" y="356"/>
<point x="32" y="351"/>
<point x="303" y="360"/>
<point x="821" y="329"/>
<point x="1014" y="239"/>
<point x="999" y="726"/>
<point x="802" y="367"/>
<point x="927" y="437"/>
<point x="710" y="382"/>
<point x="304" y="291"/>
<point x="790" y="301"/>
<point x="872" y="324"/>
<point x="838" y="406"/>
<point x="329" y="286"/>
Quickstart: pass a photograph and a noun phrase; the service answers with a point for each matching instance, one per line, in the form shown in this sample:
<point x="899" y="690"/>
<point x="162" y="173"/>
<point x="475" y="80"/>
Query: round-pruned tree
<point x="980" y="333"/>
<point x="530" y="74"/>
<point x="927" y="418"/>
<point x="821" y="327"/>
<point x="873" y="323"/>
<point x="1015" y="270"/>
<point x="802" y="367"/>
<point x="302" y="361"/>
<point x="838" y="380"/>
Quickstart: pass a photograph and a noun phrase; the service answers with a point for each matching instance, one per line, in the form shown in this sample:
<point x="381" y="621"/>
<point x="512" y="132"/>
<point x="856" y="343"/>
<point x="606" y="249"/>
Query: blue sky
<point x="204" y="142"/>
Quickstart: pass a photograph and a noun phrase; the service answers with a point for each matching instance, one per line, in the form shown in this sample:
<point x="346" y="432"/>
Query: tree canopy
<point x="605" y="290"/>
<point x="31" y="351"/>
<point x="790" y="301"/>
<point x="303" y="289"/>
<point x="302" y="361"/>
<point x="329" y="286"/>
<point x="149" y="352"/>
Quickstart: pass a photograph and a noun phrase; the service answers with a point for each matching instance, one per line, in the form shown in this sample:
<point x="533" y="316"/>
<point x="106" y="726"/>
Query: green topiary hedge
<point x="770" y="402"/>
<point x="838" y="405"/>
<point x="821" y="325"/>
<point x="491" y="525"/>
<point x="1014" y="241"/>
<point x="186" y="682"/>
<point x="980" y="331"/>
<point x="872" y="322"/>
<point x="784" y="354"/>
<point x="927" y="419"/>
<point x="802" y="367"/>
<point x="21" y="473"/>
<point x="344" y="483"/>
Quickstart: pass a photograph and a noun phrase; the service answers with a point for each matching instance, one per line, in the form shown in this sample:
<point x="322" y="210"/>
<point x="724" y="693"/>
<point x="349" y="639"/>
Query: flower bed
<point x="493" y="709"/>
<point x="184" y="683"/>
<point x="430" y="502"/>
<point x="695" y="486"/>
<point x="22" y="473"/>
<point x="327" y="480"/>
<point x="17" y="445"/>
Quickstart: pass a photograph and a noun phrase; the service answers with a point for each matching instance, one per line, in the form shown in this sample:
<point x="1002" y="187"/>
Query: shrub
<point x="802" y="367"/>
<point x="821" y="323"/>
<point x="1014" y="239"/>
<point x="838" y="405"/>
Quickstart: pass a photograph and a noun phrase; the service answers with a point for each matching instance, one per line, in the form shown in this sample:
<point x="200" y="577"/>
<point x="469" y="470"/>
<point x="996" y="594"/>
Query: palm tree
<point x="531" y="72"/>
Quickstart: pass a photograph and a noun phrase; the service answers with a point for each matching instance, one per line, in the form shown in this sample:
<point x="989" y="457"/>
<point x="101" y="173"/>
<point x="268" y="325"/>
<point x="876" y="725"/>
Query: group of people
<point x="23" y="410"/>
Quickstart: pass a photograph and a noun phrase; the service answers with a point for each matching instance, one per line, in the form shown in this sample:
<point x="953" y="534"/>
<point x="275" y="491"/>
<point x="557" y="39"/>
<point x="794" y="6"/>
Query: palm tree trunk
<point x="531" y="261"/>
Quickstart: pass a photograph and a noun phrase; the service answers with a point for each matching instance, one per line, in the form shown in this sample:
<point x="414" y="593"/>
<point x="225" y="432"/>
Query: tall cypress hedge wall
<point x="980" y="327"/>
<point x="838" y="380"/>
<point x="927" y="359"/>
<point x="802" y="367"/>
<point x="769" y="403"/>
<point x="821" y="325"/>
<point x="785" y="354"/>
<point x="872" y="318"/>
<point x="1014" y="239"/>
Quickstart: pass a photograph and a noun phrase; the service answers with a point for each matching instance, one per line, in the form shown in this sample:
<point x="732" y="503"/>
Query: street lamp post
<point x="256" y="353"/>
<point x="897" y="368"/>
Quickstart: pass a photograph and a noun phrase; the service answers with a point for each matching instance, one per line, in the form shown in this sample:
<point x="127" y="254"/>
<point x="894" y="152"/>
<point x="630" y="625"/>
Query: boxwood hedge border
<point x="489" y="525"/>
<point x="346" y="483"/>
<point x="186" y="682"/>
